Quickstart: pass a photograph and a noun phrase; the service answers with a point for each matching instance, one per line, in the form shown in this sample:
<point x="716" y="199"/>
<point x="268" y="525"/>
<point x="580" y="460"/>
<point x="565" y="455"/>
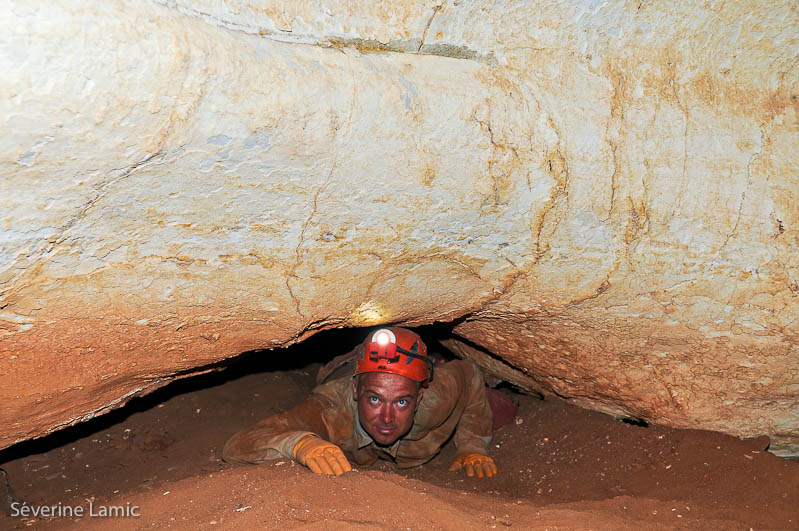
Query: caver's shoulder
<point x="337" y="391"/>
<point x="454" y="376"/>
<point x="455" y="368"/>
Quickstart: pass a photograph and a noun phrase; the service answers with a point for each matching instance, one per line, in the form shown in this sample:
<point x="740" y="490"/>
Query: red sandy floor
<point x="561" y="467"/>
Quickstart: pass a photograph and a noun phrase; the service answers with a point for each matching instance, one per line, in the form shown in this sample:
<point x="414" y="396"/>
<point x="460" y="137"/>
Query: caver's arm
<point x="475" y="428"/>
<point x="278" y="435"/>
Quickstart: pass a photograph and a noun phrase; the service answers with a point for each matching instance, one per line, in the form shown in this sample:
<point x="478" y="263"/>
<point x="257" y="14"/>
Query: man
<point x="393" y="408"/>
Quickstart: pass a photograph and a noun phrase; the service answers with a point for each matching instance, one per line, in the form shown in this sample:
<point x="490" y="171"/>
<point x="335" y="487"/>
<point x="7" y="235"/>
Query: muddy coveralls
<point x="454" y="404"/>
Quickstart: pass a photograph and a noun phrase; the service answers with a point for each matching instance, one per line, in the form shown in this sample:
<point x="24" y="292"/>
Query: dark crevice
<point x="634" y="421"/>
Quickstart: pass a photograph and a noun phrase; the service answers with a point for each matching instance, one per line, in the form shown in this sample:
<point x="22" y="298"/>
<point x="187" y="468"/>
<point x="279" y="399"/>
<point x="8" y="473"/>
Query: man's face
<point x="386" y="405"/>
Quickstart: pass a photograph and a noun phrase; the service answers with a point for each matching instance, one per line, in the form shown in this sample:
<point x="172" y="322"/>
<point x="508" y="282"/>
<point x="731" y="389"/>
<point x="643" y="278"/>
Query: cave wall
<point x="602" y="194"/>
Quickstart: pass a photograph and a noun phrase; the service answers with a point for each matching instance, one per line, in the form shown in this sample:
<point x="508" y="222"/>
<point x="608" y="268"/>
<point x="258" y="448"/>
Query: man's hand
<point x="474" y="463"/>
<point x="321" y="456"/>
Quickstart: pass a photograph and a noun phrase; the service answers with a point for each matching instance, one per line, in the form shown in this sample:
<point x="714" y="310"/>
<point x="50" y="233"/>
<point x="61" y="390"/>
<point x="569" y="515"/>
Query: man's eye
<point x="402" y="402"/>
<point x="373" y="399"/>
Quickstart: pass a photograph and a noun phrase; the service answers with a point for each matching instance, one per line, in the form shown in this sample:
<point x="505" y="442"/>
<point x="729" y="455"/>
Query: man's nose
<point x="386" y="415"/>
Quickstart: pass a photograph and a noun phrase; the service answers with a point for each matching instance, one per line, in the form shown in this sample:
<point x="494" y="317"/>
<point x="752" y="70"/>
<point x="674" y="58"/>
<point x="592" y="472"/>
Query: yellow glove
<point x="473" y="463"/>
<point x="321" y="456"/>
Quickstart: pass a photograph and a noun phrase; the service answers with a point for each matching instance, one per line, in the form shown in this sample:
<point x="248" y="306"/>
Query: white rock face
<point x="605" y="194"/>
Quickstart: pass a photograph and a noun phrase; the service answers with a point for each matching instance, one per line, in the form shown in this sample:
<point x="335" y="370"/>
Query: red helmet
<point x="395" y="350"/>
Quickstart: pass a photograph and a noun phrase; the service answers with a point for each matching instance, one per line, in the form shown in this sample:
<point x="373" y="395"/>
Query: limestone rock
<point x="604" y="194"/>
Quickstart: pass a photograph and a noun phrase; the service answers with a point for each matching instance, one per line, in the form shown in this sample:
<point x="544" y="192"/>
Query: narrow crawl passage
<point x="163" y="452"/>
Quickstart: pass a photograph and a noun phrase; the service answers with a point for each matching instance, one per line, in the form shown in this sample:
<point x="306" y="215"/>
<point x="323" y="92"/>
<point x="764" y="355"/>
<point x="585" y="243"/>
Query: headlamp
<point x="383" y="337"/>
